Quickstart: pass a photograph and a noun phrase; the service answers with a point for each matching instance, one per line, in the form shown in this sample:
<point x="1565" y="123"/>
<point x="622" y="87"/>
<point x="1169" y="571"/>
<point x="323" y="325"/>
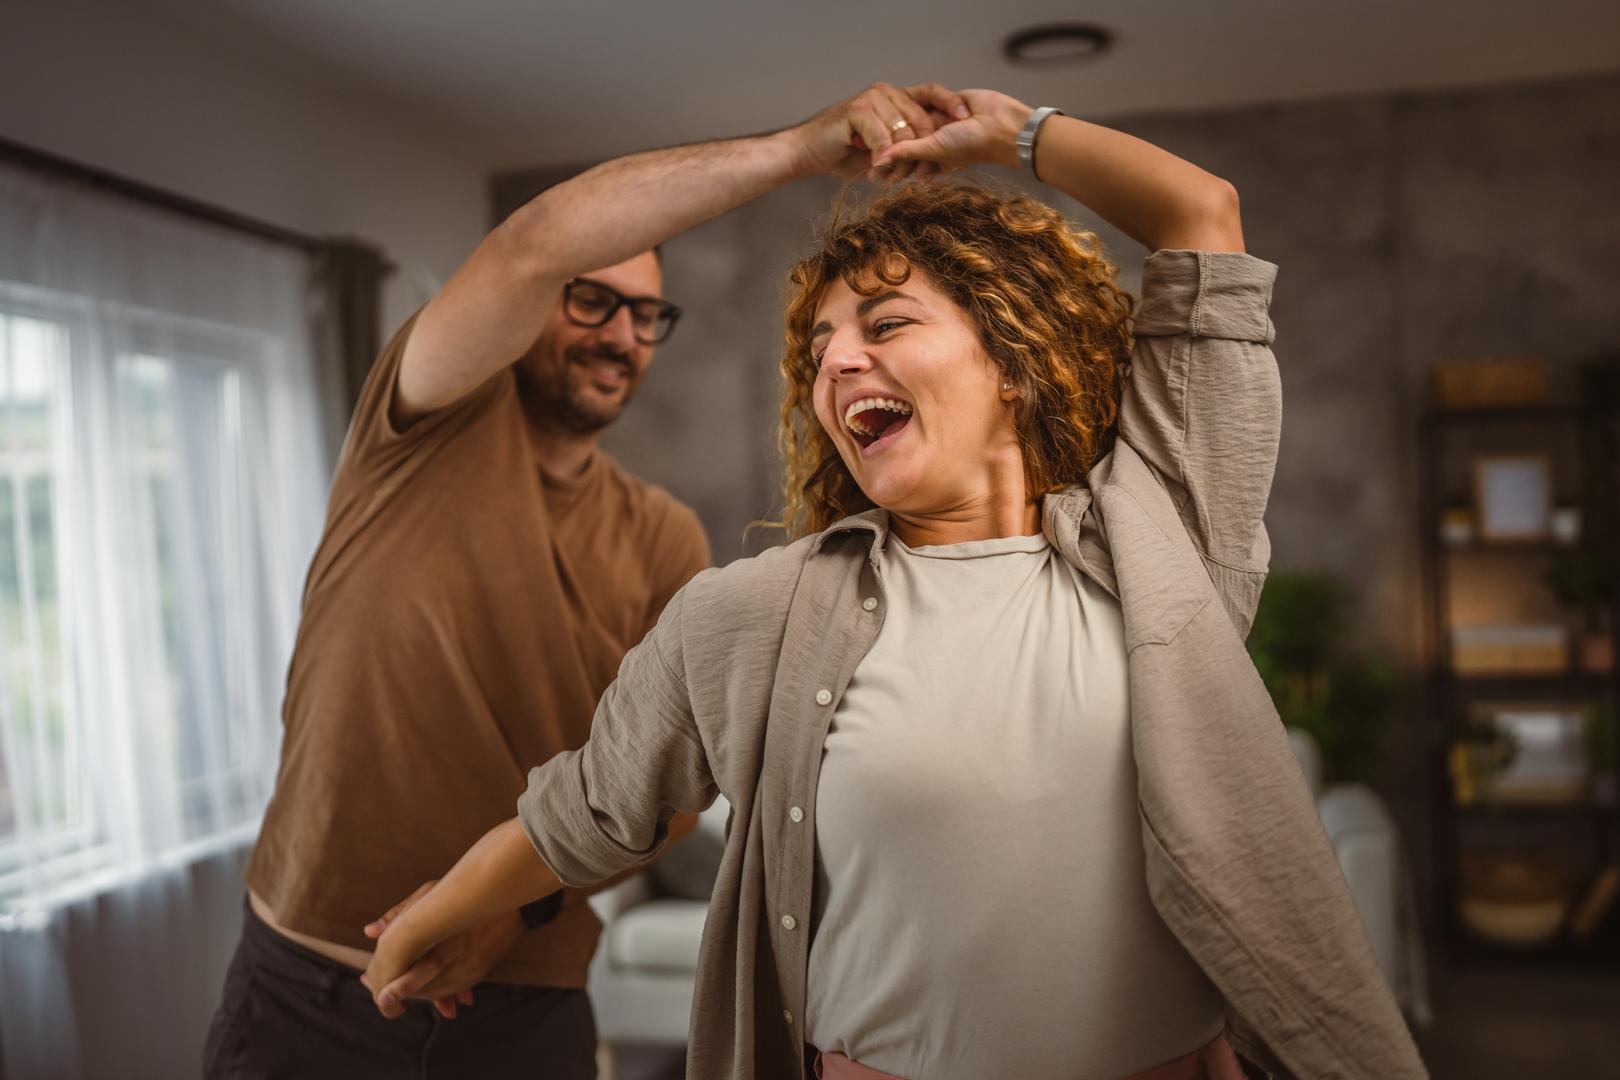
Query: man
<point x="484" y="569"/>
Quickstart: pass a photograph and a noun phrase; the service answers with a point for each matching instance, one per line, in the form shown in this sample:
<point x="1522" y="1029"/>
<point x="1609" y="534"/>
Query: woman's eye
<point x="883" y="326"/>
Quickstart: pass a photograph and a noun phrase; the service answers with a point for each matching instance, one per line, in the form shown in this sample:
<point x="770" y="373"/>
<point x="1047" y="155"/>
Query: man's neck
<point x="563" y="454"/>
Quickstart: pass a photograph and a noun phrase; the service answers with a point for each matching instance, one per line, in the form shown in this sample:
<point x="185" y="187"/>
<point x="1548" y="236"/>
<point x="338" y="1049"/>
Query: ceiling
<point x="518" y="83"/>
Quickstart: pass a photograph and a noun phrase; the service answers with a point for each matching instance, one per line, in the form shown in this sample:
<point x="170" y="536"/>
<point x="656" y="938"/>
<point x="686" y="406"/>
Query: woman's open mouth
<point x="875" y="422"/>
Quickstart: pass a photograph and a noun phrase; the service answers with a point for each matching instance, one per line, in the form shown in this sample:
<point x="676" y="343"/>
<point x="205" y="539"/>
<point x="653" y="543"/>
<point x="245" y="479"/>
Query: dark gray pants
<point x="290" y="1012"/>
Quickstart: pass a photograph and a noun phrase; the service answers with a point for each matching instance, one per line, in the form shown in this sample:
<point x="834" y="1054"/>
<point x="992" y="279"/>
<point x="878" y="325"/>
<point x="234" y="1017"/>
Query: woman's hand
<point x="986" y="136"/>
<point x="446" y="973"/>
<point x="846" y="139"/>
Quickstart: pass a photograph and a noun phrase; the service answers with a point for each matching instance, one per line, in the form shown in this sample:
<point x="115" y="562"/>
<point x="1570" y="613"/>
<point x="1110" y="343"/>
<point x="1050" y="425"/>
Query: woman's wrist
<point x="1007" y="120"/>
<point x="437" y="917"/>
<point x="408" y="935"/>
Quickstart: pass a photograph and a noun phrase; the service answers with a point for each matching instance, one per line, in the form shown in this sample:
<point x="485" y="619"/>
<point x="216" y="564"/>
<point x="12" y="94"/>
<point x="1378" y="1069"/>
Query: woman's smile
<point x="876" y="421"/>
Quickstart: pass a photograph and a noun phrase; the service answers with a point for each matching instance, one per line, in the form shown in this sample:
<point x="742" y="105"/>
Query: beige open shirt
<point x="733" y="690"/>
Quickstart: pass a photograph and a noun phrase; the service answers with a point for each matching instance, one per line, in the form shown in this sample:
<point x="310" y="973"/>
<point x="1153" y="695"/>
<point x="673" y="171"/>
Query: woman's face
<point x="906" y="392"/>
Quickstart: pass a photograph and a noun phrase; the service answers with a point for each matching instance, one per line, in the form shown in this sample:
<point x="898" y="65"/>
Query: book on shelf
<point x="1509" y="650"/>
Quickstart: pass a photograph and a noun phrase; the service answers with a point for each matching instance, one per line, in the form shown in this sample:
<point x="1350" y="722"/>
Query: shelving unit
<point x="1582" y="444"/>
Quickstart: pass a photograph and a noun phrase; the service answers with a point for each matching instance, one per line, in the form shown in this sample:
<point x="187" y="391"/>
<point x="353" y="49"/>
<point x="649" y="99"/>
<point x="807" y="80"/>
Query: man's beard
<point x="573" y="406"/>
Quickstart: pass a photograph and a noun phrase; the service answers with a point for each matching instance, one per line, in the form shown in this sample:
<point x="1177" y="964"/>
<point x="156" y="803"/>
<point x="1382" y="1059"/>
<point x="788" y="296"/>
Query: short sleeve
<point x="680" y="551"/>
<point x="375" y="447"/>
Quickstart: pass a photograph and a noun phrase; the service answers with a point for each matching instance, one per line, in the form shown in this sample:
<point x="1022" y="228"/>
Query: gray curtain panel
<point x="348" y="278"/>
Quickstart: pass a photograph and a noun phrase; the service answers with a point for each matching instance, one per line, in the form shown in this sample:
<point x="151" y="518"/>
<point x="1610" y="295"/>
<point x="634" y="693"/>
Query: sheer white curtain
<point x="162" y="481"/>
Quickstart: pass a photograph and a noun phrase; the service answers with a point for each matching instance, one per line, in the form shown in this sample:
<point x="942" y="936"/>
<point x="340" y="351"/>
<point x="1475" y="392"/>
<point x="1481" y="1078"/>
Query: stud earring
<point x="1006" y="386"/>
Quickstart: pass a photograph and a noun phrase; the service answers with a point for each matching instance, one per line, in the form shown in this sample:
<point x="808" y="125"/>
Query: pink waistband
<point x="1212" y="1061"/>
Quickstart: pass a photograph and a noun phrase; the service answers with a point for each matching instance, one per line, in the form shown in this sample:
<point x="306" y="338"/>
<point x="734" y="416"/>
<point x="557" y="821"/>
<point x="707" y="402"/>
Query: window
<point x="161" y="486"/>
<point x="42" y="807"/>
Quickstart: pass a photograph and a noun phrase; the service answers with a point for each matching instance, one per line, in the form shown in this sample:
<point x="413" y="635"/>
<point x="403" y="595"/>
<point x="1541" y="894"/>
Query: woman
<point x="1008" y="797"/>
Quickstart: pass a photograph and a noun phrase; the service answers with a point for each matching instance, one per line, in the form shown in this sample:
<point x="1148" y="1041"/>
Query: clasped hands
<point x="888" y="133"/>
<point x="443" y="974"/>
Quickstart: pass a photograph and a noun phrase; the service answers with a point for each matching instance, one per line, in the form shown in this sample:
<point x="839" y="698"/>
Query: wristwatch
<point x="1026" y="137"/>
<point x="542" y="911"/>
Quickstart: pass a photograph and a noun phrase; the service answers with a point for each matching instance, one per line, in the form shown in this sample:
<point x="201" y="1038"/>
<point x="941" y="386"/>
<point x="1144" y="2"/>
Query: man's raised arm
<point x="494" y="307"/>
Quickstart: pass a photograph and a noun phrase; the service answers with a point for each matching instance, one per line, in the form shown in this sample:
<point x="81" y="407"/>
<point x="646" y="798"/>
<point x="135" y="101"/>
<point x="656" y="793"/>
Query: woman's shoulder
<point x="748" y="589"/>
<point x="750" y="598"/>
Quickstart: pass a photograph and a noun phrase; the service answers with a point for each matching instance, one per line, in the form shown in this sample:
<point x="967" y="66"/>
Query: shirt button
<point x="796" y="814"/>
<point x="789" y="922"/>
<point x="870" y="603"/>
<point x="823" y="697"/>
<point x="788" y="1016"/>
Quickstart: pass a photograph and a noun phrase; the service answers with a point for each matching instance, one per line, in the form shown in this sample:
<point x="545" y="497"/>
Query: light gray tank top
<point x="981" y="898"/>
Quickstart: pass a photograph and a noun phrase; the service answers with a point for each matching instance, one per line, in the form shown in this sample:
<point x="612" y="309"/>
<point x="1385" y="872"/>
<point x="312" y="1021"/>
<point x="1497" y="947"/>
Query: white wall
<point x="132" y="88"/>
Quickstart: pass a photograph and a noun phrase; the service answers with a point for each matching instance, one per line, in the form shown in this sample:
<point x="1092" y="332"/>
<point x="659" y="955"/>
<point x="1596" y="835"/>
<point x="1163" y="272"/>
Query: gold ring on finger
<point x="899" y="125"/>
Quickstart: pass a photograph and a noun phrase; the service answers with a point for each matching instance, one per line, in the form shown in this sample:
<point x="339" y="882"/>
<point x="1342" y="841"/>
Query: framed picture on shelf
<point x="1513" y="496"/>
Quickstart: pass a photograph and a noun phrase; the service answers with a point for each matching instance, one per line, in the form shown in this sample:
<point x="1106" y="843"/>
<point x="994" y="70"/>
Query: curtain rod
<point x="101" y="179"/>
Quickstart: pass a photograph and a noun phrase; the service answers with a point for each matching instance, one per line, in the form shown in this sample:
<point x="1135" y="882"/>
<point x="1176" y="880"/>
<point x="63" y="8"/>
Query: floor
<point x="1516" y="1023"/>
<point x="651" y="1064"/>
<point x="1492" y="1023"/>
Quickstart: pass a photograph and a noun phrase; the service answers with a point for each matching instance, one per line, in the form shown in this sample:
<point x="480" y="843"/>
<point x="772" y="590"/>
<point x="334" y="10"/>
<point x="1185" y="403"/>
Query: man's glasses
<point x="591" y="303"/>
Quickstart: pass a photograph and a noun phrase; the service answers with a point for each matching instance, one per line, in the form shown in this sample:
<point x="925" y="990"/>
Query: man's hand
<point x="987" y="136"/>
<point x="446" y="973"/>
<point x="845" y="139"/>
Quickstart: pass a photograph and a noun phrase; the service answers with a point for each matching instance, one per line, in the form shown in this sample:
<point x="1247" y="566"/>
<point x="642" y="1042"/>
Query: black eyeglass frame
<point x="662" y="307"/>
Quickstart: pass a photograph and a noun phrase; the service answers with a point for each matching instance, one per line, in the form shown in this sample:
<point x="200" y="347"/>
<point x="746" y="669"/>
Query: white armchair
<point x="641" y="979"/>
<point x="1368" y="844"/>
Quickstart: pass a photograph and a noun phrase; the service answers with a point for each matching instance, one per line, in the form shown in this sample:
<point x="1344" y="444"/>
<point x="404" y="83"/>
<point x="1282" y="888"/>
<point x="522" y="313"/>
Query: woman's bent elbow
<point x="1221" y="217"/>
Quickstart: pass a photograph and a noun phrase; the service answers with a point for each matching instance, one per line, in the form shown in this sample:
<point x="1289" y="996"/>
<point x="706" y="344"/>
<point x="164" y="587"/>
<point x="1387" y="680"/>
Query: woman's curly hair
<point x="1049" y="313"/>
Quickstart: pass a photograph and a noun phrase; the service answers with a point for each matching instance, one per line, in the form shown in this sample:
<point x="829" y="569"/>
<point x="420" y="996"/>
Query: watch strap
<point x="541" y="911"/>
<point x="1026" y="137"/>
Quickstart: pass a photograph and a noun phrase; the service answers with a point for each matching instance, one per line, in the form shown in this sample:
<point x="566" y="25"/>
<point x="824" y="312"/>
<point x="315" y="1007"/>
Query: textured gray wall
<point x="1408" y="229"/>
<point x="1411" y="229"/>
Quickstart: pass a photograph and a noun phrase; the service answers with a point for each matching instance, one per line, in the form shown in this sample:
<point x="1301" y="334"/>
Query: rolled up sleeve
<point x="593" y="812"/>
<point x="1203" y="406"/>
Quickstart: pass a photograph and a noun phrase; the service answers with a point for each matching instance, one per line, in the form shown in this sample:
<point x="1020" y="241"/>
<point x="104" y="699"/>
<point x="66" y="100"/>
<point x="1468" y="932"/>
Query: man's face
<point x="584" y="375"/>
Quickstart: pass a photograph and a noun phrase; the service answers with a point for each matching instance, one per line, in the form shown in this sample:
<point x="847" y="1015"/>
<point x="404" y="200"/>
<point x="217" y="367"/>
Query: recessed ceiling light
<point x="1057" y="43"/>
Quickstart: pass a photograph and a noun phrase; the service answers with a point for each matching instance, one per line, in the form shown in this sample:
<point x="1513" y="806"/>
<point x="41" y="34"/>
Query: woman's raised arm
<point x="1148" y="193"/>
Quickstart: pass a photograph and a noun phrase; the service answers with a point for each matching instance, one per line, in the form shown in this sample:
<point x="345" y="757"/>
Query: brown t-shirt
<point x="463" y="614"/>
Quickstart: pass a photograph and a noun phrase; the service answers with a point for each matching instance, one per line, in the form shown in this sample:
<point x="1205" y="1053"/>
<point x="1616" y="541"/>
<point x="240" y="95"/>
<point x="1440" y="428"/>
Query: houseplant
<point x="1585" y="582"/>
<point x="1320" y="681"/>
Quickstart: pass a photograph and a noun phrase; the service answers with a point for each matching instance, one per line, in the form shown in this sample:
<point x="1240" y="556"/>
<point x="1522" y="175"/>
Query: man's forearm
<point x="625" y="206"/>
<point x="496" y="304"/>
<point x="494" y="308"/>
